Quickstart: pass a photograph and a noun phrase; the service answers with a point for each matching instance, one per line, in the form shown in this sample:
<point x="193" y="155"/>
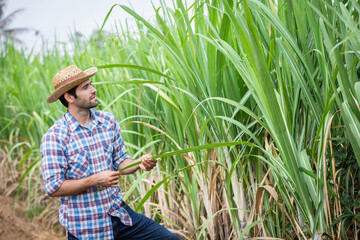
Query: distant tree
<point x="5" y="21"/>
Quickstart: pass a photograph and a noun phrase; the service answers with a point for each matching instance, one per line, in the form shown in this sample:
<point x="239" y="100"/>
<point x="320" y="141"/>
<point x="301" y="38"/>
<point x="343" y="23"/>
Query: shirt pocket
<point x="78" y="166"/>
<point x="107" y="158"/>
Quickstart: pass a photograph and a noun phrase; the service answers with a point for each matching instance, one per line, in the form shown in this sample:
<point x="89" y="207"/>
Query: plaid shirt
<point x="72" y="151"/>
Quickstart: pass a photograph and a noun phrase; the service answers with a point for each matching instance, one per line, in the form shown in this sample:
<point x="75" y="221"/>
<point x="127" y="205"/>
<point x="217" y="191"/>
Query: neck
<point x="81" y="115"/>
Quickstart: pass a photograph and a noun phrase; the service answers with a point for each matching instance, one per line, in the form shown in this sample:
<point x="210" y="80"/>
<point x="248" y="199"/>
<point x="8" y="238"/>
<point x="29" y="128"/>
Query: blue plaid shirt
<point x="72" y="151"/>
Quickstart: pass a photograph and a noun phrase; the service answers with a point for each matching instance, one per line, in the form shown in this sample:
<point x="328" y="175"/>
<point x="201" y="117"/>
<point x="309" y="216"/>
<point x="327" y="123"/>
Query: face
<point x="86" y="97"/>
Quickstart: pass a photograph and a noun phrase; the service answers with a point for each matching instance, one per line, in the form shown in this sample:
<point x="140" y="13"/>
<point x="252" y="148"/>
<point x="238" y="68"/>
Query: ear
<point x="69" y="98"/>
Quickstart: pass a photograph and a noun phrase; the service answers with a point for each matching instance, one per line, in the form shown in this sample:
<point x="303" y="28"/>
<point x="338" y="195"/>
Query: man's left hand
<point x="148" y="162"/>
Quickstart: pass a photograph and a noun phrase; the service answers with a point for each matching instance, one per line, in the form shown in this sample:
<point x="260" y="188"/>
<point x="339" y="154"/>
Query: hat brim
<point x="66" y="87"/>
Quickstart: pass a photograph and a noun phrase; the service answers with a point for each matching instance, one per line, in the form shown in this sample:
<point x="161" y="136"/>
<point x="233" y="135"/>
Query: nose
<point x="93" y="90"/>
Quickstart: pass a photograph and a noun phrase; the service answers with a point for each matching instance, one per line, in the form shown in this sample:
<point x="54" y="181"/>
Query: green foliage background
<point x="277" y="79"/>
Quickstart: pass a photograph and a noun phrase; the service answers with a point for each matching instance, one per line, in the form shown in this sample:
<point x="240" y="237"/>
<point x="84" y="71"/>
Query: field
<point x="252" y="107"/>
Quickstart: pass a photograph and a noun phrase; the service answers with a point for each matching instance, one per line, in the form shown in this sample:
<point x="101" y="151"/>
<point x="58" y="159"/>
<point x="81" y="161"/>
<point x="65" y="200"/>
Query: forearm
<point x="145" y="162"/>
<point x="126" y="163"/>
<point x="75" y="186"/>
<point x="72" y="187"/>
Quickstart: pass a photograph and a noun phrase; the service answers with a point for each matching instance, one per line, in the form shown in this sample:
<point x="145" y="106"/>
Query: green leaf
<point x="133" y="67"/>
<point x="352" y="125"/>
<point x="153" y="189"/>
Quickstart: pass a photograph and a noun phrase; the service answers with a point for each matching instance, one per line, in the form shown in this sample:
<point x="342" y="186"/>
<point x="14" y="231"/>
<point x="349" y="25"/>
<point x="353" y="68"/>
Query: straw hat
<point x="68" y="78"/>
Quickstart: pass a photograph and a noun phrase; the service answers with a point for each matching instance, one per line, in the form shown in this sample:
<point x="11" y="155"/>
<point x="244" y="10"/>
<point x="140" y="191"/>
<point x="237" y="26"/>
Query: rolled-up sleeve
<point x="119" y="151"/>
<point x="53" y="162"/>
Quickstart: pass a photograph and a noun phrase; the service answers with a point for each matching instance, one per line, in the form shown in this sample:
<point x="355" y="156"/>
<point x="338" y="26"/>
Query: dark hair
<point x="71" y="92"/>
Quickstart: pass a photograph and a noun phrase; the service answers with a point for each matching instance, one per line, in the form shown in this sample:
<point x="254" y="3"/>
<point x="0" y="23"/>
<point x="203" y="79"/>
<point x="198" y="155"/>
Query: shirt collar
<point x="73" y="123"/>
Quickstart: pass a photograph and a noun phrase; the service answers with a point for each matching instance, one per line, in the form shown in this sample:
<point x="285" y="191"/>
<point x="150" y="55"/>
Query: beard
<point x="87" y="103"/>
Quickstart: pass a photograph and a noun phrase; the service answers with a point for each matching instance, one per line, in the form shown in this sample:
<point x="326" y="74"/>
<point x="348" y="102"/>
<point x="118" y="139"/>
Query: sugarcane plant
<point x="252" y="108"/>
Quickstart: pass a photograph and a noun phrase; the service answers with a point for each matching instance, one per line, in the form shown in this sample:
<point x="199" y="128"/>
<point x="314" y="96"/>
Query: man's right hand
<point x="107" y="178"/>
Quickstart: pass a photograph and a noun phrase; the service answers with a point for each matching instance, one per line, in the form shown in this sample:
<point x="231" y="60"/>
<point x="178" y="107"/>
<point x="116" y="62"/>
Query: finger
<point x="116" y="173"/>
<point x="150" y="160"/>
<point x="151" y="163"/>
<point x="146" y="156"/>
<point x="115" y="178"/>
<point x="115" y="182"/>
<point x="148" y="166"/>
<point x="142" y="167"/>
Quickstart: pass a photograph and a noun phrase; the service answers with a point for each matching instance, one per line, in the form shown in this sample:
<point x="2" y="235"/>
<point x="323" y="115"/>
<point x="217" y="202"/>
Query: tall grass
<point x="278" y="80"/>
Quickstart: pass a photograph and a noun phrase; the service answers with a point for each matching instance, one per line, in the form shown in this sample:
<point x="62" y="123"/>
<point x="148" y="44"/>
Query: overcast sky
<point x="60" y="17"/>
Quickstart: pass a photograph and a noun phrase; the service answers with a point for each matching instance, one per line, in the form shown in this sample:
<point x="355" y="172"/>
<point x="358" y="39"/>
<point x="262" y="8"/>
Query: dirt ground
<point x="13" y="224"/>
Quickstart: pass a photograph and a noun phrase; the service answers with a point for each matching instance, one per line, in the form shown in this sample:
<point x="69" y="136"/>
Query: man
<point x="81" y="155"/>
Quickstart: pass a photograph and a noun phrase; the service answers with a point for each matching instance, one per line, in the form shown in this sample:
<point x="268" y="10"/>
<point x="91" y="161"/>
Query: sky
<point x="60" y="17"/>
